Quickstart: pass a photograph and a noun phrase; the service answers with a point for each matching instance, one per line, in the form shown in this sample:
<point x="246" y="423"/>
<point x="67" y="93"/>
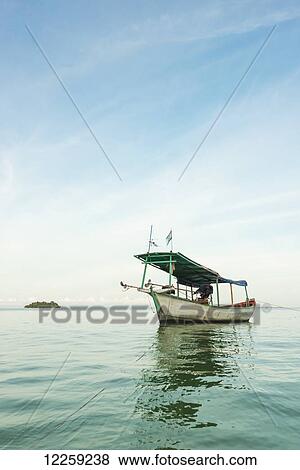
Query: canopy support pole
<point x="170" y="270"/>
<point x="231" y="293"/>
<point x="218" y="297"/>
<point x="247" y="298"/>
<point x="144" y="274"/>
<point x="177" y="289"/>
<point x="192" y="293"/>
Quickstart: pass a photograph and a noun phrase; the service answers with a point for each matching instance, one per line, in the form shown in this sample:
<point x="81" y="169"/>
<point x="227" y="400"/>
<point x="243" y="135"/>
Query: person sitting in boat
<point x="203" y="293"/>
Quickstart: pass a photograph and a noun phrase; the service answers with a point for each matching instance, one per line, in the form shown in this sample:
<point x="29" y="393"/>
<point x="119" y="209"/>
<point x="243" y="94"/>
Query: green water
<point x="177" y="387"/>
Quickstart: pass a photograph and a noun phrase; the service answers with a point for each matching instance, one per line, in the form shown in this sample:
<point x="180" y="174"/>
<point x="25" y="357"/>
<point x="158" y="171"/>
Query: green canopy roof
<point x="186" y="271"/>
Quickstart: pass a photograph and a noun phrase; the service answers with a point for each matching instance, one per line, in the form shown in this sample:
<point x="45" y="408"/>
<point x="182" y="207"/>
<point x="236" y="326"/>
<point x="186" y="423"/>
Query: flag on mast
<point x="169" y="237"/>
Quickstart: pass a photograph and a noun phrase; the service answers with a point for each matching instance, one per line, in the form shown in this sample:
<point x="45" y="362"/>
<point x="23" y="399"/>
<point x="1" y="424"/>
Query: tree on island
<point x="43" y="304"/>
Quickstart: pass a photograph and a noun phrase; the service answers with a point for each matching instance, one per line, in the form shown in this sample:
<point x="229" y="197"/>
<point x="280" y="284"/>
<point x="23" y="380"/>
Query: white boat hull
<point x="173" y="309"/>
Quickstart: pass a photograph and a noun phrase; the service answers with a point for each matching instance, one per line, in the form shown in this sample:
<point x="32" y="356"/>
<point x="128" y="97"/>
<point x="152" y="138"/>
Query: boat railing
<point x="188" y="293"/>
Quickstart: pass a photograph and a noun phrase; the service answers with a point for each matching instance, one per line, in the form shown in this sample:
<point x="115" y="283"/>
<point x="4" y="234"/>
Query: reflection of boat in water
<point x="192" y="367"/>
<point x="200" y="355"/>
<point x="191" y="300"/>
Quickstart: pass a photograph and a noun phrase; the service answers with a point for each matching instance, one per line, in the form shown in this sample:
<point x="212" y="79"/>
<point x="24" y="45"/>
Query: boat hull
<point x="171" y="309"/>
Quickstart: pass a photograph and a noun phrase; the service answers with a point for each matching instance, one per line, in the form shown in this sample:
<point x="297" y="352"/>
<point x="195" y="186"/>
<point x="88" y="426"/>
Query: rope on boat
<point x="294" y="309"/>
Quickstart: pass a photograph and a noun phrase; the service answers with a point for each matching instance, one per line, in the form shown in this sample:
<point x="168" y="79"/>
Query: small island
<point x="43" y="305"/>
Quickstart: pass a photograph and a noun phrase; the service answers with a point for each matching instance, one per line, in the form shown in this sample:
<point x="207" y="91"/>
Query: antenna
<point x="150" y="239"/>
<point x="146" y="260"/>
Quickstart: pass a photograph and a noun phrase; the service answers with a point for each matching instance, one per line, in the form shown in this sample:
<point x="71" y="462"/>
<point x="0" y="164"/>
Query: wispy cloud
<point x="196" y="22"/>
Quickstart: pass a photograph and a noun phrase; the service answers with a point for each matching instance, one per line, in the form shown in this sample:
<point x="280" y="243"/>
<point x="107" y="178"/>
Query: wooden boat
<point x="191" y="300"/>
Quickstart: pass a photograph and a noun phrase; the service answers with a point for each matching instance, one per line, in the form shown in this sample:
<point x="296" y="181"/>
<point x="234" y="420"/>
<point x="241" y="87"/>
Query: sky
<point x="149" y="77"/>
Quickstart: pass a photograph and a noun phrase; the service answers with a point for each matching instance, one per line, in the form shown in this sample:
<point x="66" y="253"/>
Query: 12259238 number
<point x="77" y="459"/>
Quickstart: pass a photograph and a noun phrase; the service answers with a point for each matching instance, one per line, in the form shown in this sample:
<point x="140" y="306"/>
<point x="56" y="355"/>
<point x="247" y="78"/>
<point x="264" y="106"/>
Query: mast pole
<point x="218" y="297"/>
<point x="247" y="298"/>
<point x="170" y="265"/>
<point x="146" y="261"/>
<point x="150" y="239"/>
<point x="231" y="293"/>
<point x="170" y="269"/>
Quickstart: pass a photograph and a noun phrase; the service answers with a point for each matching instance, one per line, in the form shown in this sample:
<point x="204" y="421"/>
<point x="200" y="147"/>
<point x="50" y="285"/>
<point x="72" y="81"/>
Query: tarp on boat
<point x="187" y="271"/>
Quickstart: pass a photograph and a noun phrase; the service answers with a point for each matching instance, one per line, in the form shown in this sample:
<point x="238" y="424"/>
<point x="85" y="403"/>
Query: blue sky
<point x="149" y="77"/>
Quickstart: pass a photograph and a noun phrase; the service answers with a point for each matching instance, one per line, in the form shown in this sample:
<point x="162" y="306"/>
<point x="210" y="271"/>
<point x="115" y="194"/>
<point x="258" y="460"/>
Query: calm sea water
<point x="175" y="387"/>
